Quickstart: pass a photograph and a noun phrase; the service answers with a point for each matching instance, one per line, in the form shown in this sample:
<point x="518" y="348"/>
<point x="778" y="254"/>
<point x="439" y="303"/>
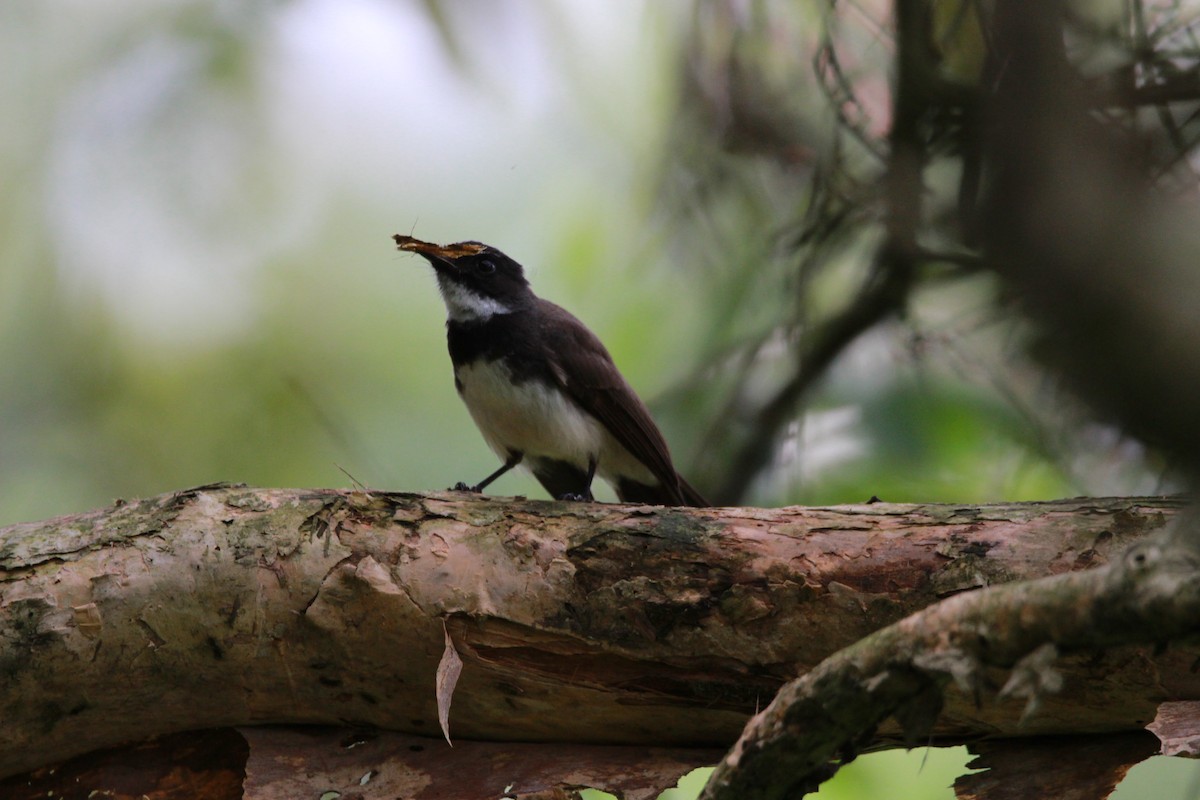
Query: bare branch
<point x="1150" y="596"/>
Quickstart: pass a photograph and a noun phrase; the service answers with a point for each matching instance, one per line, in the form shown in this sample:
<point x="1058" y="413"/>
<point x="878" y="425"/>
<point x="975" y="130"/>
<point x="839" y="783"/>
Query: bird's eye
<point x="487" y="267"/>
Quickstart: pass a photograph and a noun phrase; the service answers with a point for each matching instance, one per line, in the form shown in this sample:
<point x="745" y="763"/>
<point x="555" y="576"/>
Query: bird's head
<point x="477" y="281"/>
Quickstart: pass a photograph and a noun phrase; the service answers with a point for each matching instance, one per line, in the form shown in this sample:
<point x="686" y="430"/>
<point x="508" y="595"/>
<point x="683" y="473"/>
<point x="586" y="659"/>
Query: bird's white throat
<point x="464" y="305"/>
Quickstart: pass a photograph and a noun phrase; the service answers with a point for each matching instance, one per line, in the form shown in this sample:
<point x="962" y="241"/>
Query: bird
<point x="542" y="388"/>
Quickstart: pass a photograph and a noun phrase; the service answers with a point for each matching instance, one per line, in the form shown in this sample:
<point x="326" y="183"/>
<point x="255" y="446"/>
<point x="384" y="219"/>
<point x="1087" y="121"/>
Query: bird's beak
<point x="440" y="256"/>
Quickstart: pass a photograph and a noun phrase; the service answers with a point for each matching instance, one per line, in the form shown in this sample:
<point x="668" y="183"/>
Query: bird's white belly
<point x="541" y="421"/>
<point x="529" y="417"/>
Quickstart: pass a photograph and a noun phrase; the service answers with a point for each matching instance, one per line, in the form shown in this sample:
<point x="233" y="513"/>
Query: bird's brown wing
<point x="595" y="384"/>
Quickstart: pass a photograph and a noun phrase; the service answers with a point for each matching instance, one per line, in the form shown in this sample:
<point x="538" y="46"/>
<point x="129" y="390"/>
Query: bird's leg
<point x="586" y="495"/>
<point x="513" y="460"/>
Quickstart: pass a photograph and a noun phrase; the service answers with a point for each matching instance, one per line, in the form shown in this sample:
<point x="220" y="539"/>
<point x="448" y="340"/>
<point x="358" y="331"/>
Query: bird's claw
<point x="575" y="497"/>
<point x="462" y="487"/>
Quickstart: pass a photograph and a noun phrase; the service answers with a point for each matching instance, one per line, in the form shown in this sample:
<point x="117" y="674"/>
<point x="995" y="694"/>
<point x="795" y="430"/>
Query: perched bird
<point x="540" y="386"/>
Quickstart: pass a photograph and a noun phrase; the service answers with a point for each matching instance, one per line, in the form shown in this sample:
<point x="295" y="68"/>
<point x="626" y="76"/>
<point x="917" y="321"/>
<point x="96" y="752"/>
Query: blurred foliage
<point x="197" y="277"/>
<point x="197" y="281"/>
<point x="918" y="774"/>
<point x="779" y="190"/>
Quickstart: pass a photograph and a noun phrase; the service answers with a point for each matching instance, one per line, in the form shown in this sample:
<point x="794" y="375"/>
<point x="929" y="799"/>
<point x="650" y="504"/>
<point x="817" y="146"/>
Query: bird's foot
<point x="575" y="497"/>
<point x="462" y="487"/>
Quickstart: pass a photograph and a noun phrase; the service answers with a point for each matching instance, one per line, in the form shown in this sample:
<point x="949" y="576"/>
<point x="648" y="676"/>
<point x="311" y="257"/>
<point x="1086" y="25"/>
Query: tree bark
<point x="226" y="606"/>
<point x="1151" y="595"/>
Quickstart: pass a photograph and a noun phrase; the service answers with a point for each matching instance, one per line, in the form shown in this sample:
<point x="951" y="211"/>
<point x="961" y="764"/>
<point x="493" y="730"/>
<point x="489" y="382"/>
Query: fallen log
<point x="225" y="606"/>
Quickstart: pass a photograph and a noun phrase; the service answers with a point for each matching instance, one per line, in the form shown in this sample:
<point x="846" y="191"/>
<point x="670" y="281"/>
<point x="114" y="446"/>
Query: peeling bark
<point x="285" y="763"/>
<point x="196" y="765"/>
<point x="1177" y="727"/>
<point x="225" y="606"/>
<point x="1061" y="767"/>
<point x="390" y="765"/>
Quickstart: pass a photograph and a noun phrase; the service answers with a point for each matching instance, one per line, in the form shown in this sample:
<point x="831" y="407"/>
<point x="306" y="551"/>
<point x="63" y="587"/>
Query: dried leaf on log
<point x="449" y="668"/>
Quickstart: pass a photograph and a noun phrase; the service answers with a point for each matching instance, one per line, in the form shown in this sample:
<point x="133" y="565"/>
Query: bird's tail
<point x="681" y="494"/>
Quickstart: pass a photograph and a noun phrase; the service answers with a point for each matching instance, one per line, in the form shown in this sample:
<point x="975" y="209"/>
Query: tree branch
<point x="886" y="289"/>
<point x="225" y="606"/>
<point x="1150" y="596"/>
<point x="1101" y="260"/>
